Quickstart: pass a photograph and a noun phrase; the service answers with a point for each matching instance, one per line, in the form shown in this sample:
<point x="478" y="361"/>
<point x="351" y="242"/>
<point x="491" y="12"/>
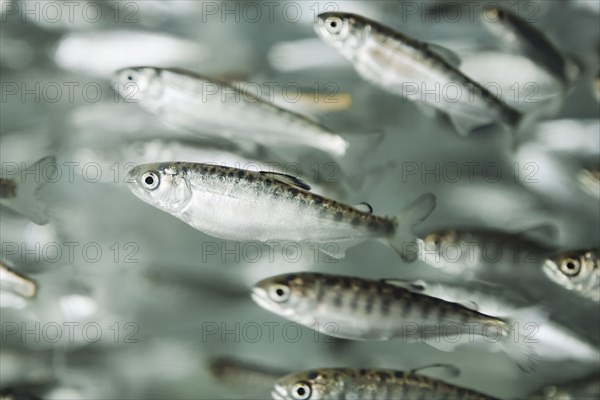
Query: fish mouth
<point x="259" y="295"/>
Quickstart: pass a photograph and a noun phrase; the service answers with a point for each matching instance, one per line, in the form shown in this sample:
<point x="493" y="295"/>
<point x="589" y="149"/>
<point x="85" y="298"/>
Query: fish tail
<point x="359" y="144"/>
<point x="518" y="340"/>
<point x="28" y="186"/>
<point x="404" y="240"/>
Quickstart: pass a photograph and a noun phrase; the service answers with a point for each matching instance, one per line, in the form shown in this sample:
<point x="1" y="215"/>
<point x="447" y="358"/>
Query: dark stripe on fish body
<point x="386" y="302"/>
<point x="370" y="302"/>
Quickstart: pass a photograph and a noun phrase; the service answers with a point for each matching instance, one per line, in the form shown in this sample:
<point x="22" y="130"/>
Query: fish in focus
<point x="363" y="309"/>
<point x="237" y="204"/>
<point x="578" y="271"/>
<point x="19" y="188"/>
<point x="413" y="69"/>
<point x="518" y="33"/>
<point x="200" y="105"/>
<point x="349" y="383"/>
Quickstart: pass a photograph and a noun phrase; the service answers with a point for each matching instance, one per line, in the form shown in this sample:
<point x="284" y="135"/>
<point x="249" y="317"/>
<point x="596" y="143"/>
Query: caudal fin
<point x="404" y="241"/>
<point x="29" y="182"/>
<point x="520" y="340"/>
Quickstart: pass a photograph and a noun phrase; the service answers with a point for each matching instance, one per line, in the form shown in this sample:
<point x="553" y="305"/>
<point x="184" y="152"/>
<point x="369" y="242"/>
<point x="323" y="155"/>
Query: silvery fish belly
<point x="203" y="106"/>
<point x="421" y="72"/>
<point x="13" y="282"/>
<point x="238" y="204"/>
<point x="348" y="383"/>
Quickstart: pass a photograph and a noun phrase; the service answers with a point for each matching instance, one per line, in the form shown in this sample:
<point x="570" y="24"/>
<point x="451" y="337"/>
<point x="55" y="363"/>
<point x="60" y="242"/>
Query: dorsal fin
<point x="446" y="54"/>
<point x="287" y="179"/>
<point x="364" y="207"/>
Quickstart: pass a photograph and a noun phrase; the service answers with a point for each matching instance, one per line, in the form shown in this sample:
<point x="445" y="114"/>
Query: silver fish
<point x="197" y="104"/>
<point x="19" y="189"/>
<point x="520" y="34"/>
<point x="363" y="309"/>
<point x="12" y="281"/>
<point x="458" y="250"/>
<point x="408" y="67"/>
<point x="237" y="204"/>
<point x="578" y="271"/>
<point x="587" y="388"/>
<point x="349" y="383"/>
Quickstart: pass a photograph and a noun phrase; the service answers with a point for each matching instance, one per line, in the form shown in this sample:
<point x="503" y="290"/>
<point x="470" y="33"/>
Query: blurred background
<point x="133" y="303"/>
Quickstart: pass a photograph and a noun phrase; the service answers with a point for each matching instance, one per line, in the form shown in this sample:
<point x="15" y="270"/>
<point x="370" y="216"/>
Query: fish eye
<point x="301" y="391"/>
<point x="279" y="293"/>
<point x="334" y="25"/>
<point x="570" y="266"/>
<point x="150" y="180"/>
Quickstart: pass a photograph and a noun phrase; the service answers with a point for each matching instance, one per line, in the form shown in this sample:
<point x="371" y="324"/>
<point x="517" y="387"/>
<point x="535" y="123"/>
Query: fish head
<point x="139" y="83"/>
<point x="575" y="270"/>
<point x="346" y="32"/>
<point x="309" y="385"/>
<point x="164" y="186"/>
<point x="291" y="295"/>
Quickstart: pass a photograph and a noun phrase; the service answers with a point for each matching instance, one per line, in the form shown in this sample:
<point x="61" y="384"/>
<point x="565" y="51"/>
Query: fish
<point x="589" y="180"/>
<point x="460" y="250"/>
<point x="363" y="309"/>
<point x="580" y="389"/>
<point x="19" y="188"/>
<point x="556" y="342"/>
<point x="578" y="271"/>
<point x="244" y="376"/>
<point x="411" y="68"/>
<point x="237" y="204"/>
<point x="11" y="280"/>
<point x="520" y="34"/>
<point x="204" y="106"/>
<point x="351" y="383"/>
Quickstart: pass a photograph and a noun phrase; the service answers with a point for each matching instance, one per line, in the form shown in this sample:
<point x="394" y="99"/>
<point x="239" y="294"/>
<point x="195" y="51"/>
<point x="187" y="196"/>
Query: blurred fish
<point x="19" y="188"/>
<point x="237" y="204"/>
<point x="347" y="383"/>
<point x="250" y="379"/>
<point x="12" y="281"/>
<point x="518" y="33"/>
<point x="412" y="69"/>
<point x="200" y="105"/>
<point x="587" y="388"/>
<point x="589" y="180"/>
<point x="460" y="250"/>
<point x="578" y="271"/>
<point x="363" y="309"/>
